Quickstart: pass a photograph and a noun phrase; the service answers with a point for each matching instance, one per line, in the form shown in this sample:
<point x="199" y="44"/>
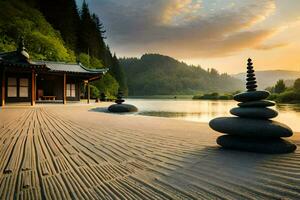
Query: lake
<point x="205" y="110"/>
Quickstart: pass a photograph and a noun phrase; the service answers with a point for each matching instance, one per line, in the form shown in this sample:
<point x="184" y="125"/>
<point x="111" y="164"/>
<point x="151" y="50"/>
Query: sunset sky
<point x="212" y="33"/>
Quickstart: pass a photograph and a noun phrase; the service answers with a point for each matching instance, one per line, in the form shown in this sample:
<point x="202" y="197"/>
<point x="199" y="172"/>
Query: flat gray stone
<point x="262" y="113"/>
<point x="269" y="146"/>
<point x="119" y="101"/>
<point x="262" y="103"/>
<point x="122" y="108"/>
<point x="250" y="127"/>
<point x="251" y="96"/>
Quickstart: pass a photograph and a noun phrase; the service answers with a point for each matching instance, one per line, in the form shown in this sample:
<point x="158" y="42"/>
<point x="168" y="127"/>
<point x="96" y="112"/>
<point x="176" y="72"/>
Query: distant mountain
<point x="155" y="74"/>
<point x="270" y="77"/>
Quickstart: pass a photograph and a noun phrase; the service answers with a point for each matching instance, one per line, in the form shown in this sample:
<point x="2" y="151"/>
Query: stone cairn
<point x="120" y="99"/>
<point x="251" y="129"/>
<point x="120" y="106"/>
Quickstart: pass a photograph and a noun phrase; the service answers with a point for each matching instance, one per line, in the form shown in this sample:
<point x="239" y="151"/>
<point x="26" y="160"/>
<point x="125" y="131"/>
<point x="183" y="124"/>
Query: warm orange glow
<point x="211" y="33"/>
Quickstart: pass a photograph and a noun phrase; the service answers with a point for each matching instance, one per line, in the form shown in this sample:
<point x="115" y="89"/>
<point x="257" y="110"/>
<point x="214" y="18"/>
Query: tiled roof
<point x="17" y="59"/>
<point x="70" y="67"/>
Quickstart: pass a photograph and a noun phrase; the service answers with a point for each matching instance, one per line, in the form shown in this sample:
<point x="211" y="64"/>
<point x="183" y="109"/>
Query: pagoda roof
<point x="70" y="67"/>
<point x="20" y="59"/>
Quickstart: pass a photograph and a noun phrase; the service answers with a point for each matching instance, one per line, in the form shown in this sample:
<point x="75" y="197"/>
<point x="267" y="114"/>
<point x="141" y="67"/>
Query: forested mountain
<point x="155" y="74"/>
<point x="270" y="77"/>
<point x="56" y="30"/>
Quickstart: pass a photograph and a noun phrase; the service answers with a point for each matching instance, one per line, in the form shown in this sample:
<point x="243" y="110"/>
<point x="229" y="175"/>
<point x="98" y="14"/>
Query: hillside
<point x="269" y="78"/>
<point x="57" y="30"/>
<point x="18" y="19"/>
<point x="155" y="74"/>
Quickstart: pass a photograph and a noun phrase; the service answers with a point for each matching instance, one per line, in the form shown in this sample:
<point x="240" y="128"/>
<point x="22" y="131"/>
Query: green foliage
<point x="118" y="72"/>
<point x="44" y="47"/>
<point x="108" y="85"/>
<point x="225" y="97"/>
<point x="18" y="19"/>
<point x="297" y="85"/>
<point x="6" y="44"/>
<point x="279" y="87"/>
<point x="96" y="63"/>
<point x="63" y="16"/>
<point x="288" y="97"/>
<point x="94" y="92"/>
<point x="273" y="97"/>
<point x="210" y="96"/>
<point x="155" y="74"/>
<point x="214" y="96"/>
<point x="80" y="32"/>
<point x="90" y="37"/>
<point x="90" y="62"/>
<point x="270" y="89"/>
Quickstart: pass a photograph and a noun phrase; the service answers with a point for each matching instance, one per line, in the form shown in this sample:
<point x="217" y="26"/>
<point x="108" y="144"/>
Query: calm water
<point x="205" y="110"/>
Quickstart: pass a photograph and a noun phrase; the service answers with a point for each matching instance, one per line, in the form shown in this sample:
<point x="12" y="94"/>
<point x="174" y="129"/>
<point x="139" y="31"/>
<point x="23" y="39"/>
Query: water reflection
<point x="205" y="110"/>
<point x="288" y="107"/>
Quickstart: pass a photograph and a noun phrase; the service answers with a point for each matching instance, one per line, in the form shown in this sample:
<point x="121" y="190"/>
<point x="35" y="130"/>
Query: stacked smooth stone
<point x="252" y="128"/>
<point x="120" y="107"/>
<point x="120" y="99"/>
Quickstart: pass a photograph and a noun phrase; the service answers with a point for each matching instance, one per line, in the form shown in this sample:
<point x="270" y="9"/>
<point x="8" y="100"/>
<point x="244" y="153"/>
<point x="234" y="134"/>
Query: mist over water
<point x="205" y="110"/>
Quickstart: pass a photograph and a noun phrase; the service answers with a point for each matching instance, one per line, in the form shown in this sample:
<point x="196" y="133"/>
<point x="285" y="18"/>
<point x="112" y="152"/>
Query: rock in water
<point x="251" y="96"/>
<point x="262" y="113"/>
<point x="262" y="103"/>
<point x="119" y="107"/>
<point x="270" y="146"/>
<point x="122" y="108"/>
<point x="250" y="127"/>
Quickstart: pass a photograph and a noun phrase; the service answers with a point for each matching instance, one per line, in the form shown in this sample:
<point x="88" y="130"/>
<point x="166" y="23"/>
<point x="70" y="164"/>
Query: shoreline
<point x="76" y="152"/>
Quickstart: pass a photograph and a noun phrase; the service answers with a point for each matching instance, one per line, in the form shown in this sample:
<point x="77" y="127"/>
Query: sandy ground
<point x="77" y="152"/>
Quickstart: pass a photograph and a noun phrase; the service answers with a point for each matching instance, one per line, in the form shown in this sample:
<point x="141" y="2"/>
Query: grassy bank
<point x="215" y="96"/>
<point x="162" y="97"/>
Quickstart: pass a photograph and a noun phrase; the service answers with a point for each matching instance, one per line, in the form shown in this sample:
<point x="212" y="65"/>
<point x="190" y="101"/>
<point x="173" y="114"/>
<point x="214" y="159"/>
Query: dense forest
<point x="57" y="30"/>
<point x="154" y="74"/>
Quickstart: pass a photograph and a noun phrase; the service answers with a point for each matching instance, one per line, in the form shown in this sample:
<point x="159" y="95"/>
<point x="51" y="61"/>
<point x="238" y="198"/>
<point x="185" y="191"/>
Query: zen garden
<point x="86" y="112"/>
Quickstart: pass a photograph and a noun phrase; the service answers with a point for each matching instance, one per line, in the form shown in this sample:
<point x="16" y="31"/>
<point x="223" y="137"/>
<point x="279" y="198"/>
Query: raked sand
<point x="76" y="152"/>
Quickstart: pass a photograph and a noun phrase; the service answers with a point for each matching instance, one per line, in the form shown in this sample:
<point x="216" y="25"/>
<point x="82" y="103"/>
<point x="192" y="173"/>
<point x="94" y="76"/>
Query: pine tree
<point x="63" y="15"/>
<point x="108" y="58"/>
<point x="297" y="85"/>
<point x="279" y="87"/>
<point x="99" y="36"/>
<point x="119" y="74"/>
<point x="85" y="29"/>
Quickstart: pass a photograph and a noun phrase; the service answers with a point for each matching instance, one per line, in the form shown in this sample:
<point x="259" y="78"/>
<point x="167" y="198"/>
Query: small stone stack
<point x="120" y="99"/>
<point x="120" y="107"/>
<point x="252" y="130"/>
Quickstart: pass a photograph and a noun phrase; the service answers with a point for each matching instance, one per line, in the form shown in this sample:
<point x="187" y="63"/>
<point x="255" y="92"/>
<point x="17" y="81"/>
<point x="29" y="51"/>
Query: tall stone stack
<point x="252" y="129"/>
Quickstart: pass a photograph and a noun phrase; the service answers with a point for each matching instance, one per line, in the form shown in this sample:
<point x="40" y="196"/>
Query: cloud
<point x="270" y="46"/>
<point x="180" y="11"/>
<point x="184" y="28"/>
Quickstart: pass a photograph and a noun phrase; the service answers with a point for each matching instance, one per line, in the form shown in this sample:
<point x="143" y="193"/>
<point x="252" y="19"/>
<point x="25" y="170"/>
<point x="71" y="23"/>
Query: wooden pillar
<point x="32" y="87"/>
<point x="89" y="92"/>
<point x="3" y="89"/>
<point x="65" y="88"/>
